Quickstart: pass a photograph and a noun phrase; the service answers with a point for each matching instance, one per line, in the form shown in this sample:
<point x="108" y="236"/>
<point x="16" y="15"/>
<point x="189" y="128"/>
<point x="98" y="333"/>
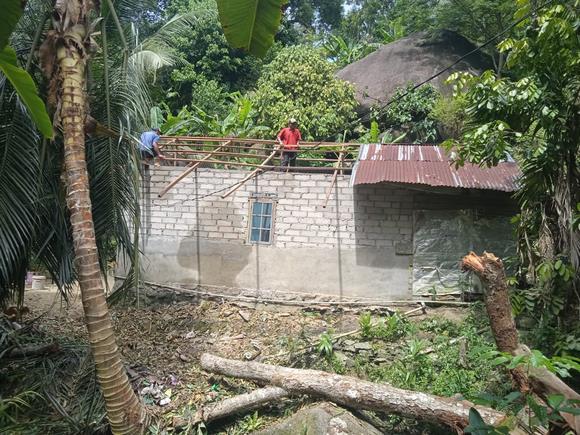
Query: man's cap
<point x="293" y="121"/>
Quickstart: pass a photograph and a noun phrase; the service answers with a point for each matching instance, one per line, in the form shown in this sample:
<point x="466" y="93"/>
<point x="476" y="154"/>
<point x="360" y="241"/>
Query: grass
<point x="67" y="400"/>
<point x="52" y="393"/>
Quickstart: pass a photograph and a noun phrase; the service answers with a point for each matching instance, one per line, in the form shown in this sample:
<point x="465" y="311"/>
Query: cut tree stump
<point x="539" y="380"/>
<point x="356" y="393"/>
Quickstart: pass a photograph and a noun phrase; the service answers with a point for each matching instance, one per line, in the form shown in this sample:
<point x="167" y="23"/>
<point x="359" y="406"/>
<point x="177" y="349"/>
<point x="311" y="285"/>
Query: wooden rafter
<point x="338" y="166"/>
<point x="190" y="168"/>
<point x="258" y="165"/>
<point x="253" y="173"/>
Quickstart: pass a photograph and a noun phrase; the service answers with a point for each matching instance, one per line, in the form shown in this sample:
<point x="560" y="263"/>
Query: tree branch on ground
<point x="356" y="393"/>
<point x="538" y="380"/>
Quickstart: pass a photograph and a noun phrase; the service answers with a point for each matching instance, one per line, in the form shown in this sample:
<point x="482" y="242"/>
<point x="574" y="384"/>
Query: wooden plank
<point x="313" y="149"/>
<point x="253" y="173"/>
<point x="304" y="144"/>
<point x="260" y="166"/>
<point x="192" y="166"/>
<point x="341" y="157"/>
<point x="329" y="191"/>
<point x="254" y="156"/>
<point x="334" y="175"/>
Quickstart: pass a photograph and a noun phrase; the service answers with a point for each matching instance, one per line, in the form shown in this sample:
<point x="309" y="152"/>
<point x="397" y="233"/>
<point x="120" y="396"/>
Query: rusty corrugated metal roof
<point x="429" y="165"/>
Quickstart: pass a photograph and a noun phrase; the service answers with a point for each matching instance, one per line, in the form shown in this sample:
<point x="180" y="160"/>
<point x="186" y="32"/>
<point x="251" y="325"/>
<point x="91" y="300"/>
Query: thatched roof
<point x="411" y="59"/>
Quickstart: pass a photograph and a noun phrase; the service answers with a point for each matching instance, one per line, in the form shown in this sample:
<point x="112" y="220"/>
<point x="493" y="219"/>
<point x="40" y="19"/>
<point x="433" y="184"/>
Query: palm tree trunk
<point x="124" y="411"/>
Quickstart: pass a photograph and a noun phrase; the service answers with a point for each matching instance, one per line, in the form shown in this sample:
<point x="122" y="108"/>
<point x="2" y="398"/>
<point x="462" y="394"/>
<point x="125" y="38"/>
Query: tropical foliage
<point x="299" y="83"/>
<point x="534" y="115"/>
<point x="208" y="67"/>
<point x="190" y="60"/>
<point x="19" y="77"/>
<point x="409" y="114"/>
<point x="238" y="121"/>
<point x="343" y="51"/>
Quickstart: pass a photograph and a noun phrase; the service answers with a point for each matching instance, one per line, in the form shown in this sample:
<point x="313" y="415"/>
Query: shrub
<point x="299" y="83"/>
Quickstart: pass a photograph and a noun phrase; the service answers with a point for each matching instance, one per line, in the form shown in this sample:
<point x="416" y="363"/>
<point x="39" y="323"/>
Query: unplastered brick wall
<point x="375" y="215"/>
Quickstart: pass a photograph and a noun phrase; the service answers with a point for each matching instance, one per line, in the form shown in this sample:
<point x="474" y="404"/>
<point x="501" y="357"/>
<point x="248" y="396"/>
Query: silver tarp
<point x="442" y="238"/>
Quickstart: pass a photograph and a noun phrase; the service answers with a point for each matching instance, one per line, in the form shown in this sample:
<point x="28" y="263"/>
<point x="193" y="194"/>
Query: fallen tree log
<point x="33" y="350"/>
<point x="355" y="393"/>
<point x="239" y="404"/>
<point x="539" y="380"/>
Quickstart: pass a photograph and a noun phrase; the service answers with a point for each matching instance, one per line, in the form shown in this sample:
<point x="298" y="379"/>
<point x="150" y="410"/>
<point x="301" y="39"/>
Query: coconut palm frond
<point x="113" y="172"/>
<point x="130" y="11"/>
<point x="157" y="50"/>
<point x="149" y="61"/>
<point x="164" y="38"/>
<point x="19" y="143"/>
<point x="35" y="16"/>
<point x="53" y="246"/>
<point x="61" y="385"/>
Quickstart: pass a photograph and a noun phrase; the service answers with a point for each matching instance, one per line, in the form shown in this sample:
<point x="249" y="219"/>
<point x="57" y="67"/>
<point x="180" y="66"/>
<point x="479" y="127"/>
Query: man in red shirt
<point x="289" y="138"/>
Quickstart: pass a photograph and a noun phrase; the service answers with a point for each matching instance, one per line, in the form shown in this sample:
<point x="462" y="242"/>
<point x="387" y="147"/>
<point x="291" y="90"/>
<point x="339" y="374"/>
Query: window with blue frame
<point x="261" y="222"/>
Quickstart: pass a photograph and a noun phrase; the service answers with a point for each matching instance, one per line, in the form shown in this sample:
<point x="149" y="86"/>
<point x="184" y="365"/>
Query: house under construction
<point x="384" y="222"/>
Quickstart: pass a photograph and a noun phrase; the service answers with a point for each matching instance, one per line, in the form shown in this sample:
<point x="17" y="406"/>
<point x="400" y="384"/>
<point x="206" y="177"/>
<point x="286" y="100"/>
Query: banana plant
<point x="19" y="78"/>
<point x="251" y="24"/>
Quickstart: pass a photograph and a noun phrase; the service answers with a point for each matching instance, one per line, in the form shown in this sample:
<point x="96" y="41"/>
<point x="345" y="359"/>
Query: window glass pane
<point x="255" y="236"/>
<point x="267" y="208"/>
<point x="267" y="222"/>
<point x="265" y="236"/>
<point x="257" y="208"/>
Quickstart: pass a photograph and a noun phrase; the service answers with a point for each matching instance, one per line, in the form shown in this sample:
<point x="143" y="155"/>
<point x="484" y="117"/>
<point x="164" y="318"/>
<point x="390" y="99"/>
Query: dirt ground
<point x="161" y="344"/>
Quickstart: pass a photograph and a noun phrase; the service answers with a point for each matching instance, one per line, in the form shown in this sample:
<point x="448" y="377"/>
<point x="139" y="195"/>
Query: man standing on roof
<point x="148" y="145"/>
<point x="289" y="138"/>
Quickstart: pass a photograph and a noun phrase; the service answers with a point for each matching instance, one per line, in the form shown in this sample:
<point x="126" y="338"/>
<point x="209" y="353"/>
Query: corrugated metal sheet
<point x="429" y="165"/>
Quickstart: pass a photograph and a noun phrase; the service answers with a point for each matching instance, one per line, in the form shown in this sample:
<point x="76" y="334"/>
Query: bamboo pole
<point x="329" y="191"/>
<point x="256" y="156"/>
<point x="192" y="146"/>
<point x="334" y="176"/>
<point x="192" y="166"/>
<point x="259" y="166"/>
<point x="257" y="141"/>
<point x="252" y="174"/>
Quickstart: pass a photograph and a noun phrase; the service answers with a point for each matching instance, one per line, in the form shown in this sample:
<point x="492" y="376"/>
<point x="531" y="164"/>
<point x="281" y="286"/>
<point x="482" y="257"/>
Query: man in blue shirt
<point x="148" y="145"/>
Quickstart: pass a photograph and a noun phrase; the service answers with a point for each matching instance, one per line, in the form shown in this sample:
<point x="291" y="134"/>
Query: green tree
<point x="410" y="114"/>
<point x="362" y="22"/>
<point x="478" y="20"/>
<point x="312" y="14"/>
<point x="300" y="83"/>
<point x="343" y="51"/>
<point x="66" y="52"/>
<point x="206" y="60"/>
<point x="535" y="116"/>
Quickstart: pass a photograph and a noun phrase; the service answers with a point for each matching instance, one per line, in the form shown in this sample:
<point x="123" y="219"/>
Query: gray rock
<point x="411" y="59"/>
<point x="344" y="359"/>
<point x="322" y="419"/>
<point x="363" y="346"/>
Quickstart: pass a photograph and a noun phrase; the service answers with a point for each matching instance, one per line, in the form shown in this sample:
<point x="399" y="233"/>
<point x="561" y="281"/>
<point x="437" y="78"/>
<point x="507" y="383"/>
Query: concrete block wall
<point x="359" y="245"/>
<point x="370" y="216"/>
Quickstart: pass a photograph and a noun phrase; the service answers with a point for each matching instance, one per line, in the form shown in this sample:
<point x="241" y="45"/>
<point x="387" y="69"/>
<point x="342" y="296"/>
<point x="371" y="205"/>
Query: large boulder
<point x="412" y="59"/>
<point x="322" y="419"/>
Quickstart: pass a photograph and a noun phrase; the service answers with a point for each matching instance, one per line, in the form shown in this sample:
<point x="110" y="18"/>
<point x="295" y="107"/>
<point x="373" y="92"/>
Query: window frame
<point x="263" y="200"/>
